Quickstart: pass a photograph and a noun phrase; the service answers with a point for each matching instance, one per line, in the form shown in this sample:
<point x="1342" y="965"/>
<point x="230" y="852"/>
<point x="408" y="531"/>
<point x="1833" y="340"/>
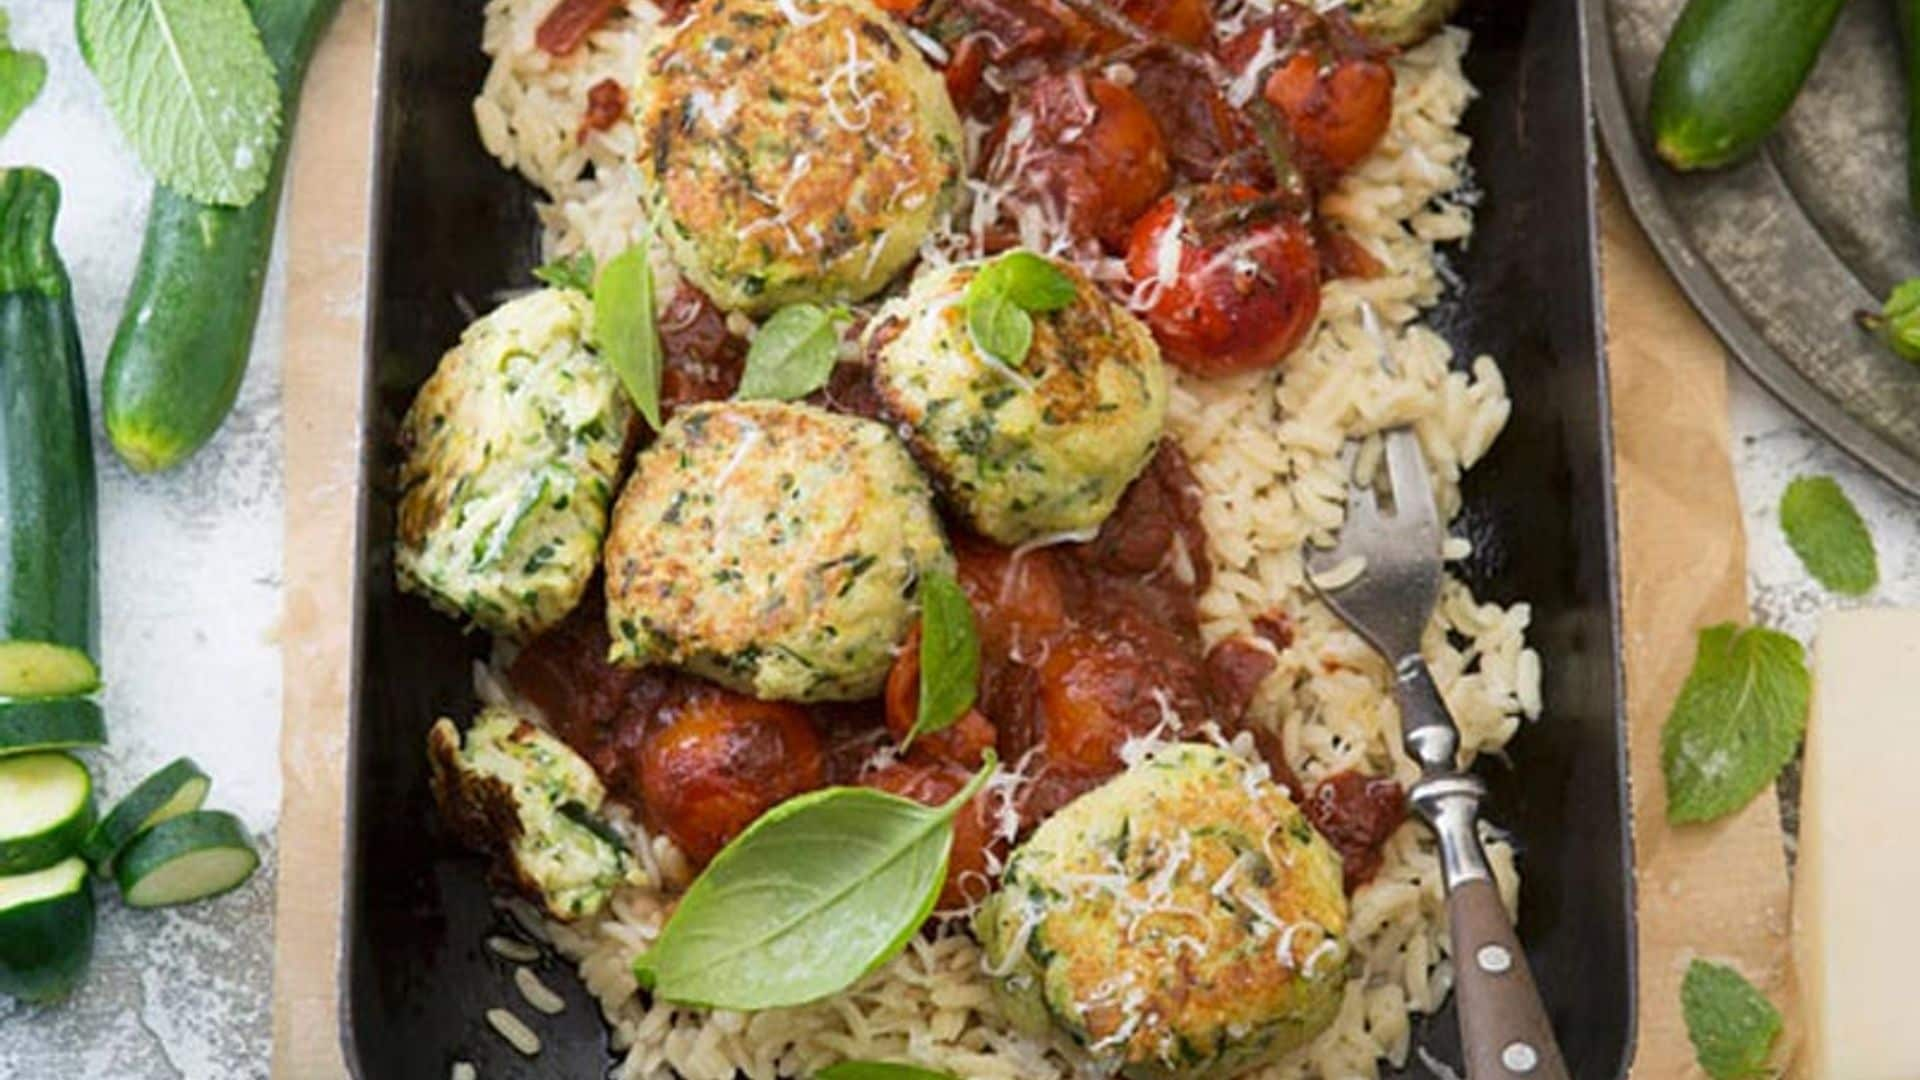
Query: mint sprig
<point x="1001" y="296"/>
<point x="22" y="74"/>
<point x="1826" y="531"/>
<point x="1732" y="1026"/>
<point x="1736" y="723"/>
<point x="192" y="89"/>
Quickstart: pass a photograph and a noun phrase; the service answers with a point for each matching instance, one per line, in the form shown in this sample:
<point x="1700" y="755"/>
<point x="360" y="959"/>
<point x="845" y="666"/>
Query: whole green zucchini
<point x="1729" y="72"/>
<point x="49" y="538"/>
<point x="181" y="350"/>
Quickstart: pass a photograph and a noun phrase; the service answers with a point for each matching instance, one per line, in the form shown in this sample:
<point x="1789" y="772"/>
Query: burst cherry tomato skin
<point x="1087" y="148"/>
<point x="1099" y="687"/>
<point x="933" y="783"/>
<point x="1245" y="289"/>
<point x="1337" y="111"/>
<point x="716" y="761"/>
<point x="1189" y="22"/>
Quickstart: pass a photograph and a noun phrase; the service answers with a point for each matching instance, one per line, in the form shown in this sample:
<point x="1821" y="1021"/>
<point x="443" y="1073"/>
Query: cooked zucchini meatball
<point x="774" y="548"/>
<point x="523" y="795"/>
<point x="1045" y="448"/>
<point x="1183" y="920"/>
<point x="794" y="151"/>
<point x="512" y="449"/>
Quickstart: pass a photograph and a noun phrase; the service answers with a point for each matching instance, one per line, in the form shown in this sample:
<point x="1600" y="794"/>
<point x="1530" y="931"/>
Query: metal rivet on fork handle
<point x="1493" y="959"/>
<point x="1519" y="1057"/>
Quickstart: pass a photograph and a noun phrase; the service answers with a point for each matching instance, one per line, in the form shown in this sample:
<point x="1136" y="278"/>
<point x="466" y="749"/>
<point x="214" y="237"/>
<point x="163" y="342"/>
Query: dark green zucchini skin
<point x="181" y="350"/>
<point x="1729" y="72"/>
<point x="49" y="548"/>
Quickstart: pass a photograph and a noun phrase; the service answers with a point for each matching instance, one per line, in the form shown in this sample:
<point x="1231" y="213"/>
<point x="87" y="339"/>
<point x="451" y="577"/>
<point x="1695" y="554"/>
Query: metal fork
<point x="1504" y="1031"/>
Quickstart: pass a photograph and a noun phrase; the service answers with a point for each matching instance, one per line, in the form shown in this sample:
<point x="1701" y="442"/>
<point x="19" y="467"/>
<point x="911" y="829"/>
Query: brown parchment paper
<point x="1718" y="891"/>
<point x="326" y="243"/>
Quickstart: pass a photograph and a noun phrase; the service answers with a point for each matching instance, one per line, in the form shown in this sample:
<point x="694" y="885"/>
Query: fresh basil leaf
<point x="818" y="892"/>
<point x="1825" y="530"/>
<point x="22" y="74"/>
<point x="792" y="355"/>
<point x="879" y="1070"/>
<point x="1029" y="280"/>
<point x="949" y="655"/>
<point x="624" y="326"/>
<point x="568" y="272"/>
<point x="1732" y="1026"/>
<point x="1736" y="723"/>
<point x="999" y="328"/>
<point x="192" y="89"/>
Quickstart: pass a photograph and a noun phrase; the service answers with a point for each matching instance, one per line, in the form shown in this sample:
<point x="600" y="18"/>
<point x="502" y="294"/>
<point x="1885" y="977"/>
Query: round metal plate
<point x="1779" y="252"/>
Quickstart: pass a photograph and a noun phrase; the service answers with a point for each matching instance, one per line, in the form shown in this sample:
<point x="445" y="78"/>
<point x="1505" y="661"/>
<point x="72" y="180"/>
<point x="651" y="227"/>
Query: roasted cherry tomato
<point x="717" y="760"/>
<point x="1086" y="150"/>
<point x="1101" y="686"/>
<point x="1018" y="600"/>
<point x="1333" y="87"/>
<point x="933" y="783"/>
<point x="1228" y="280"/>
<point x="964" y="743"/>
<point x="1337" y="110"/>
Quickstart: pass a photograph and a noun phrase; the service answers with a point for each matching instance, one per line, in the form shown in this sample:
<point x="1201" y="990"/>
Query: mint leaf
<point x="624" y="327"/>
<point x="1731" y="1025"/>
<point x="878" y="1070"/>
<point x="568" y="272"/>
<point x="949" y="655"/>
<point x="22" y="74"/>
<point x="792" y="355"/>
<point x="192" y="89"/>
<point x="1825" y="530"/>
<point x="1736" y="723"/>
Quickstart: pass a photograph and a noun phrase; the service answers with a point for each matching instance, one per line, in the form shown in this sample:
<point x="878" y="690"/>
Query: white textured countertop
<point x="191" y="584"/>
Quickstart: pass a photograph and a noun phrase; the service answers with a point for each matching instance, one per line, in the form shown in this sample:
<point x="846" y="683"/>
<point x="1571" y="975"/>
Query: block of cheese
<point x="1857" y="882"/>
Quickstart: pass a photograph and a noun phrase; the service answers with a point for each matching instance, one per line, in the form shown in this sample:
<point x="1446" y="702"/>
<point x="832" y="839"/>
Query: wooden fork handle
<point x="1504" y="1031"/>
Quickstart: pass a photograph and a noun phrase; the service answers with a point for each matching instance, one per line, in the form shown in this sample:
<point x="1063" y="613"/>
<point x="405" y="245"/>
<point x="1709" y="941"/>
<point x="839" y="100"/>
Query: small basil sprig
<point x="949" y="656"/>
<point x="1001" y="295"/>
<point x="793" y="354"/>
<point x="878" y="1070"/>
<point x="1825" y="529"/>
<point x="1736" y="722"/>
<point x="818" y="892"/>
<point x="192" y="88"/>
<point x="624" y="326"/>
<point x="574" y="271"/>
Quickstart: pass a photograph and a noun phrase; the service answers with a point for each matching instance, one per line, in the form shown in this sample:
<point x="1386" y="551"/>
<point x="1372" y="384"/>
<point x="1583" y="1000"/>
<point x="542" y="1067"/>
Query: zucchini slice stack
<point x="49" y="605"/>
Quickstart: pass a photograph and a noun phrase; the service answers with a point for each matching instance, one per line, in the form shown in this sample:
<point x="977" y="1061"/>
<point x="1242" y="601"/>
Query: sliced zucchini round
<point x="27" y="726"/>
<point x="179" y="787"/>
<point x="46" y="808"/>
<point x="188" y="858"/>
<point x="46" y="931"/>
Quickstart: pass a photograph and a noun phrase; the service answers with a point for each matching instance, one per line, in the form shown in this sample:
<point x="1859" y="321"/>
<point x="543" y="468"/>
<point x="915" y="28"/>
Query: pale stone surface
<point x="191" y="588"/>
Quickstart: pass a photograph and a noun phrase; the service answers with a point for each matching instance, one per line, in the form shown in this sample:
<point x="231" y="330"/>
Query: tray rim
<point x="1586" y="44"/>
<point x="1639" y="182"/>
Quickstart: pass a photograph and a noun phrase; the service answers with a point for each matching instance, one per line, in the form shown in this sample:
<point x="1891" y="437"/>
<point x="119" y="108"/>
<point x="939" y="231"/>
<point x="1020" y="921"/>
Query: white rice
<point x="515" y="1031"/>
<point x="1273" y="451"/>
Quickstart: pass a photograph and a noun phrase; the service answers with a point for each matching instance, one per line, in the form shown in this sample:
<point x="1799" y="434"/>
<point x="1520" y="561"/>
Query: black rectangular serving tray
<point x="452" y="229"/>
